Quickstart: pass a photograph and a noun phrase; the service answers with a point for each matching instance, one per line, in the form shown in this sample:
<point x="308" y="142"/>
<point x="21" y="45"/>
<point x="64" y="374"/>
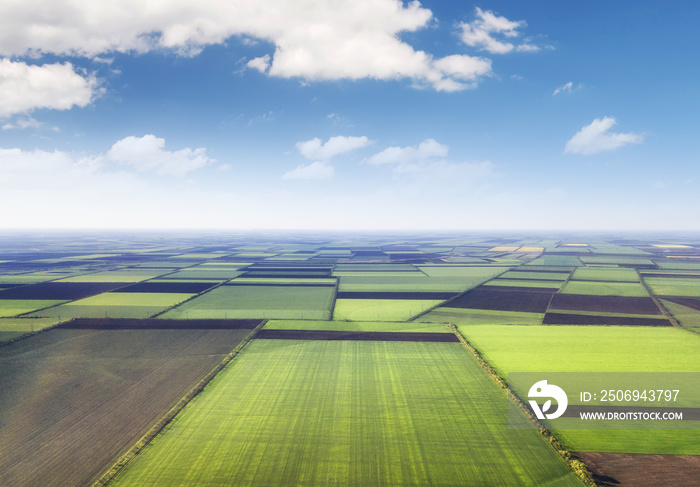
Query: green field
<point x="687" y="317"/>
<point x="605" y="288"/>
<point x="596" y="349"/>
<point x="14" y="307"/>
<point x="389" y="326"/>
<point x="481" y="317"/>
<point x="559" y="276"/>
<point x="554" y="285"/>
<point x="556" y="260"/>
<point x="621" y="274"/>
<point x="665" y="286"/>
<point x="11" y="328"/>
<point x="348" y="413"/>
<point x="135" y="275"/>
<point x="380" y="309"/>
<point x="274" y="302"/>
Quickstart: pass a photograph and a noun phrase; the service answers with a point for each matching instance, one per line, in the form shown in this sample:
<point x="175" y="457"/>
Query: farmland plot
<point x="348" y="413"/>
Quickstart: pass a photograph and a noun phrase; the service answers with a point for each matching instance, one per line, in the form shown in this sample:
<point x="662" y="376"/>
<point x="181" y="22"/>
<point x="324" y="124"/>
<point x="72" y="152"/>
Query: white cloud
<point x="595" y="138"/>
<point x="427" y="149"/>
<point x="147" y="154"/>
<point x="25" y="122"/>
<point x="564" y="88"/>
<point x="262" y="64"/>
<point x="315" y="149"/>
<point x="314" y="171"/>
<point x="323" y="40"/>
<point x="24" y="87"/>
<point x="483" y="30"/>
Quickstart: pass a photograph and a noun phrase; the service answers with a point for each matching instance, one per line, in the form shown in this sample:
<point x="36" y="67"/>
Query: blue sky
<point x="365" y="114"/>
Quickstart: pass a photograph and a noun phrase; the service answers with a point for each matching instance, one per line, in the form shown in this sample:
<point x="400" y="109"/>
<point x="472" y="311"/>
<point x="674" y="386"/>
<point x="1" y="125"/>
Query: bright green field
<point x="634" y="289"/>
<point x="116" y="305"/>
<point x="664" y="286"/>
<point x="221" y="275"/>
<point x="554" y="285"/>
<point x="687" y="317"/>
<point x="601" y="274"/>
<point x="14" y="307"/>
<point x="669" y="264"/>
<point x="481" y="317"/>
<point x="135" y="275"/>
<point x="321" y="413"/>
<point x="389" y="326"/>
<point x="560" y="276"/>
<point x="615" y="260"/>
<point x="274" y="302"/>
<point x="483" y="273"/>
<point x="556" y="260"/>
<point x="596" y="349"/>
<point x="380" y="309"/>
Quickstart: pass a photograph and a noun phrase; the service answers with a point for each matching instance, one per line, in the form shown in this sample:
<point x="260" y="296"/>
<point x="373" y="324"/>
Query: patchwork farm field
<point x="357" y="377"/>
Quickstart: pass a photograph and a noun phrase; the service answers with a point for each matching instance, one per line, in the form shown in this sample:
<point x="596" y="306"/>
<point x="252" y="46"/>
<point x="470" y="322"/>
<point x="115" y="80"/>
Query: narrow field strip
<point x="356" y="335"/>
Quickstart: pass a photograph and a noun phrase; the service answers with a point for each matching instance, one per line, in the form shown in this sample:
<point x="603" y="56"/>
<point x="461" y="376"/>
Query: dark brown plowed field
<point x="394" y="295"/>
<point x="383" y="336"/>
<point x="503" y="299"/>
<point x="637" y="470"/>
<point x="693" y="303"/>
<point x="60" y="290"/>
<point x="72" y="401"/>
<point x="155" y="324"/>
<point x="571" y="319"/>
<point x="605" y="304"/>
<point x="167" y="287"/>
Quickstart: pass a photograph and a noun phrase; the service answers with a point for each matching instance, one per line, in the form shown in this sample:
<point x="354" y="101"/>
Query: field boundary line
<point x="459" y="295"/>
<point x="661" y="307"/>
<point x="579" y="468"/>
<point x="331" y="309"/>
<point x="156" y="315"/>
<point x="169" y="416"/>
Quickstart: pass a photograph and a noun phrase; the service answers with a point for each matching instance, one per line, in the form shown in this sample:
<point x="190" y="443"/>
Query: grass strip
<point x="579" y="468"/>
<point x="172" y="413"/>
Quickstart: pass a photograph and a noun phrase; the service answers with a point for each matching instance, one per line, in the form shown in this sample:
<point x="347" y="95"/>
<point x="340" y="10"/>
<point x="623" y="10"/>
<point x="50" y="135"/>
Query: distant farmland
<point x="334" y="359"/>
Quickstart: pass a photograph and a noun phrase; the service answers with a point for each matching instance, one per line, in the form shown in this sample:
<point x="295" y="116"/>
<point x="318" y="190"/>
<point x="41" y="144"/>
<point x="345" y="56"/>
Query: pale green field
<point x="620" y="274"/>
<point x="14" y="307"/>
<point x="665" y="286"/>
<point x="633" y="289"/>
<point x="389" y="326"/>
<point x="559" y="276"/>
<point x="380" y="309"/>
<point x="596" y="349"/>
<point x="265" y="302"/>
<point x="481" y="317"/>
<point x="320" y="413"/>
<point x="135" y="275"/>
<point x="132" y="299"/>
<point x="14" y="327"/>
<point x="554" y="285"/>
<point x="687" y="317"/>
<point x="472" y="272"/>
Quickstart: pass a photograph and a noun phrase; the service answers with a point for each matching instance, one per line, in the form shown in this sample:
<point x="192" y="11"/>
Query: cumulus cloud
<point x="313" y="40"/>
<point x="57" y="86"/>
<point x="25" y="122"/>
<point x="427" y="149"/>
<point x="596" y="137"/>
<point x="260" y="63"/>
<point x="147" y="154"/>
<point x="494" y="34"/>
<point x="314" y="171"/>
<point x="315" y="149"/>
<point x="565" y="88"/>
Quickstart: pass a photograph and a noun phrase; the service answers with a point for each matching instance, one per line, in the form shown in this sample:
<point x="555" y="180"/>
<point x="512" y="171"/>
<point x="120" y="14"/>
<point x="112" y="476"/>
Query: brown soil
<point x="637" y="470"/>
<point x="504" y="299"/>
<point x="356" y="335"/>
<point x="60" y="290"/>
<point x="605" y="304"/>
<point x="73" y="401"/>
<point x="571" y="319"/>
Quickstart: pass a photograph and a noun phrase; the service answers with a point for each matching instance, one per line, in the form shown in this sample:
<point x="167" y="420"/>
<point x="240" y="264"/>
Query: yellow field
<point x="503" y="248"/>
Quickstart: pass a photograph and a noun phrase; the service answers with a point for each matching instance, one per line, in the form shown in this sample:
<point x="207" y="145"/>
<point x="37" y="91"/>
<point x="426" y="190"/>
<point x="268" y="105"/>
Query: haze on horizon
<point x="377" y="115"/>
